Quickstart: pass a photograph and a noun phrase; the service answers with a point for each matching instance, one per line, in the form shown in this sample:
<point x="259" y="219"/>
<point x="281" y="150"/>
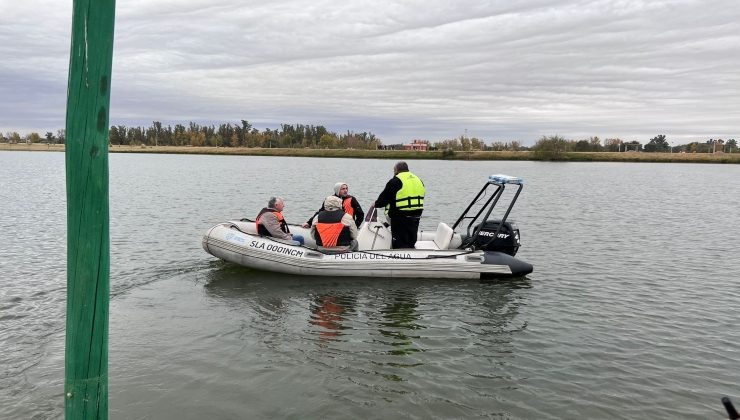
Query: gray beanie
<point x="337" y="186"/>
<point x="332" y="202"/>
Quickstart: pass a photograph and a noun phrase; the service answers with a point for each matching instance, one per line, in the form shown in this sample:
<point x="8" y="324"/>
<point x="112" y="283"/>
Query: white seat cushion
<point x="425" y="245"/>
<point x="442" y="239"/>
<point x="443" y="236"/>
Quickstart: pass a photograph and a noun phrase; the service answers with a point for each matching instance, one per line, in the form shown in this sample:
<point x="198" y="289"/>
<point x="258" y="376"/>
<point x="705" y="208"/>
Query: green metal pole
<point x="88" y="243"/>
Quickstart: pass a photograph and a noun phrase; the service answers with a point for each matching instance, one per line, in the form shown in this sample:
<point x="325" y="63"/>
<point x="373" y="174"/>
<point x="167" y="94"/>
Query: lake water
<point x="632" y="311"/>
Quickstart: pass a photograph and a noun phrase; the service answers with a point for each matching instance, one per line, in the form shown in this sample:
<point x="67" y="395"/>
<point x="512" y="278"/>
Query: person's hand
<point x="306" y="225"/>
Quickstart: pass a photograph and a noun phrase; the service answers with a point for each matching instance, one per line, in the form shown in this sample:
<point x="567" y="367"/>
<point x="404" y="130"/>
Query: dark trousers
<point x="404" y="230"/>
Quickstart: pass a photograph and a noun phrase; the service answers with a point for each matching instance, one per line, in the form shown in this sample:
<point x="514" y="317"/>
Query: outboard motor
<point x="507" y="240"/>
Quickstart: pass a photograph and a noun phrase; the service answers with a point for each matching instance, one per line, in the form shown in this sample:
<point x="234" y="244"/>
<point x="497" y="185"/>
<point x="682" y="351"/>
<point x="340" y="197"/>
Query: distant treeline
<point x="223" y="135"/>
<point x="553" y="146"/>
<point x="556" y="144"/>
<point x="239" y="135"/>
<point x="318" y="137"/>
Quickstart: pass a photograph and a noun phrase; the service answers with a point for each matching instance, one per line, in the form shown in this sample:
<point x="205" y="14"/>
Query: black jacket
<point x="388" y="196"/>
<point x="359" y="215"/>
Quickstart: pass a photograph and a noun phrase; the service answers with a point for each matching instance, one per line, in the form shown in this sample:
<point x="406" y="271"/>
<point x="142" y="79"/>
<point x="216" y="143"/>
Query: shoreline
<point x="402" y="154"/>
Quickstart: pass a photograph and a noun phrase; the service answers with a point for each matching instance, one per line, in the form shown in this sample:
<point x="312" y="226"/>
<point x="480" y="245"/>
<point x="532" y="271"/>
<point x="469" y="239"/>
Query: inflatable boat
<point x="483" y="247"/>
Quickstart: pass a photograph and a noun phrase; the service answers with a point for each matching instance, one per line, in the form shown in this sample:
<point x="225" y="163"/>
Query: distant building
<point x="418" y="145"/>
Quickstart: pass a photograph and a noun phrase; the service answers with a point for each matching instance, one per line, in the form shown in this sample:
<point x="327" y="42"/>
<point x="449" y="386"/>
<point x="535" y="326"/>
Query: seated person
<point x="270" y="222"/>
<point x="349" y="203"/>
<point x="334" y="229"/>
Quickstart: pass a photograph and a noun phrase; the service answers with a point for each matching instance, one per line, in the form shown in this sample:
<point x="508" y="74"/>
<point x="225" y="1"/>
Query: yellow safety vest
<point x="411" y="194"/>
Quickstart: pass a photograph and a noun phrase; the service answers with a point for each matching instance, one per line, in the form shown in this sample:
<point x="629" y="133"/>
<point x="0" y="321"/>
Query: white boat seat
<point x="441" y="239"/>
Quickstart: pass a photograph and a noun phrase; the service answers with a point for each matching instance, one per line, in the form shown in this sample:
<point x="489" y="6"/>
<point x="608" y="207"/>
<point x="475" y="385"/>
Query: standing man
<point x="403" y="199"/>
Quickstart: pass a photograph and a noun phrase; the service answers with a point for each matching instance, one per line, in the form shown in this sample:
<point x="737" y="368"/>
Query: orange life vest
<point x="262" y="230"/>
<point x="347" y="204"/>
<point x="330" y="231"/>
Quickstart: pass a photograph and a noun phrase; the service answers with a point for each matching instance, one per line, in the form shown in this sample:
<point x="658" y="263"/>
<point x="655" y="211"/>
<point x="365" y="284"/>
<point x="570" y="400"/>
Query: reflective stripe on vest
<point x="411" y="194"/>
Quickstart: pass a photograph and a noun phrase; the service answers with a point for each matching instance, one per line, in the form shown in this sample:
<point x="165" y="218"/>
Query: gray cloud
<point x="421" y="69"/>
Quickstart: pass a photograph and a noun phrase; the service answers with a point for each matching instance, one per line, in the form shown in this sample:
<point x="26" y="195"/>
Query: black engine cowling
<point x="507" y="240"/>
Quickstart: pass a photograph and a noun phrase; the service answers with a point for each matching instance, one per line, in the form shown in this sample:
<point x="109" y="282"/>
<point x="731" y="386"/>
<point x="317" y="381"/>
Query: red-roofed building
<point x="419" y="145"/>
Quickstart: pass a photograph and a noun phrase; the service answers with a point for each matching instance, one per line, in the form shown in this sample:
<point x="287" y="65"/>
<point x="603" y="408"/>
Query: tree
<point x="595" y="143"/>
<point x="712" y="145"/>
<point x="633" y="145"/>
<point x="33" y="138"/>
<point x="498" y="146"/>
<point x="341" y="142"/>
<point x="327" y="141"/>
<point x="217" y="140"/>
<point x="583" y="146"/>
<point x="550" y="148"/>
<point x="62" y="136"/>
<point x="197" y="138"/>
<point x="731" y="145"/>
<point x="14" y="137"/>
<point x="180" y="137"/>
<point x="119" y="135"/>
<point x="114" y="136"/>
<point x="657" y="144"/>
<point x="243" y="134"/>
<point x="613" y="145"/>
<point x="465" y="143"/>
<point x="453" y="144"/>
<point x="136" y="136"/>
<point x="156" y="131"/>
<point x="355" y="141"/>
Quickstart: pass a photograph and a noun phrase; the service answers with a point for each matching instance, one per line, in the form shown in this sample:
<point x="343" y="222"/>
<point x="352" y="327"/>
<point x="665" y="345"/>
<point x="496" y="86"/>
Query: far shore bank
<point x="402" y="154"/>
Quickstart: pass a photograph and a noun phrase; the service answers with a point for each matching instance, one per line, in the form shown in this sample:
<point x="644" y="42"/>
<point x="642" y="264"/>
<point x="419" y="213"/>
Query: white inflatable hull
<point x="235" y="242"/>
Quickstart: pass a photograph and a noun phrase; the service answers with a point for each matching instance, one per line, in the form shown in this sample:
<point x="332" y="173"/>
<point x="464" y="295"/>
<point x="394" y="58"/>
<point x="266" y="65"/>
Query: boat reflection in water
<point x="367" y="330"/>
<point x="399" y="322"/>
<point x="328" y="311"/>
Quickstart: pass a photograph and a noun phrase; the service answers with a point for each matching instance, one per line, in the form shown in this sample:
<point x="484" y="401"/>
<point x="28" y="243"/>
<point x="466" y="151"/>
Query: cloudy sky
<point x="496" y="70"/>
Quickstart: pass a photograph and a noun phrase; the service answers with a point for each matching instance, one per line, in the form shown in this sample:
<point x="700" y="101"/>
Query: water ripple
<point x="631" y="311"/>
